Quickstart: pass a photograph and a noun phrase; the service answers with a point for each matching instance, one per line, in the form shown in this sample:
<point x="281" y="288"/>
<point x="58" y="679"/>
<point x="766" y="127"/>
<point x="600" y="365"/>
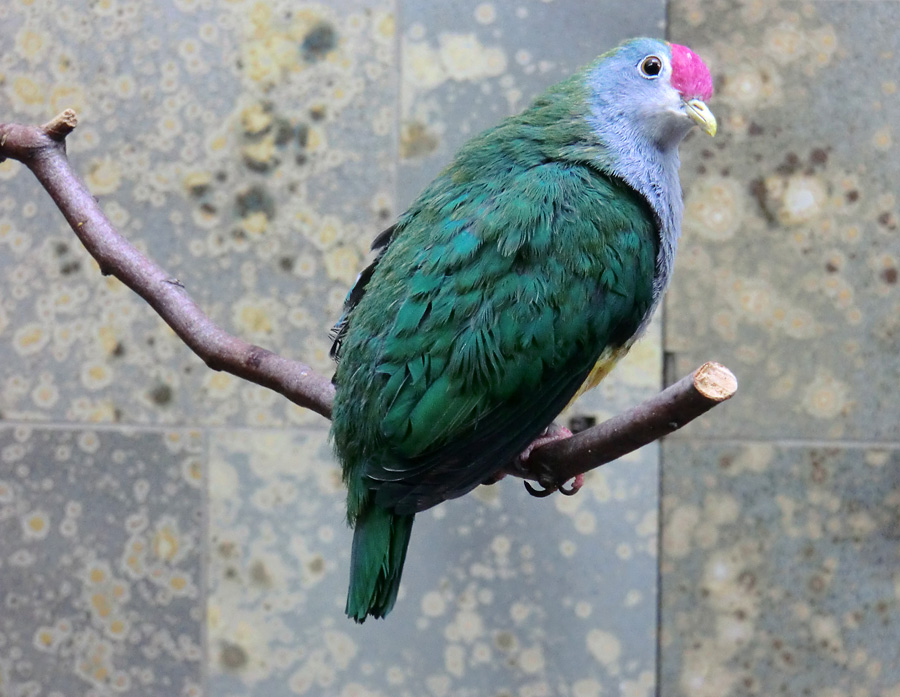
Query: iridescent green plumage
<point x="490" y="303"/>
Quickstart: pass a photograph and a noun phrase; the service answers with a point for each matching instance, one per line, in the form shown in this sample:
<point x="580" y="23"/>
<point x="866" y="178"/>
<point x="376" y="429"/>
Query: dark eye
<point x="651" y="66"/>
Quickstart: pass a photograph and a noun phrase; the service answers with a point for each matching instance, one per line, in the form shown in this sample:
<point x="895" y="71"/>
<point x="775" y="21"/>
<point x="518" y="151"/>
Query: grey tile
<point x="100" y="562"/>
<point x="467" y="64"/>
<point x="248" y="147"/>
<point x="788" y="267"/>
<point x="502" y="593"/>
<point x="779" y="570"/>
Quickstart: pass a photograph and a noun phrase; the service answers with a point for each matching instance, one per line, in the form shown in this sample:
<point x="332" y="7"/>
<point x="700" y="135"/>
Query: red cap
<point x="690" y="76"/>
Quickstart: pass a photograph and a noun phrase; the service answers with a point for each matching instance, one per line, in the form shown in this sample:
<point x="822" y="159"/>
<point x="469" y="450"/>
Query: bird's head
<point x="656" y="88"/>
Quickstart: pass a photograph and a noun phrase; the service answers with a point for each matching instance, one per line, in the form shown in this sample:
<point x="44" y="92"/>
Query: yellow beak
<point x="698" y="111"/>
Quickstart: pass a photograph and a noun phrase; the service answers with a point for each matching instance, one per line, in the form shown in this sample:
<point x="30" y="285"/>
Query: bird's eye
<point x="651" y="67"/>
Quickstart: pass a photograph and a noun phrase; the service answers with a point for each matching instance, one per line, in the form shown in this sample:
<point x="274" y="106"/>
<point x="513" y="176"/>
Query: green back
<point x="498" y="291"/>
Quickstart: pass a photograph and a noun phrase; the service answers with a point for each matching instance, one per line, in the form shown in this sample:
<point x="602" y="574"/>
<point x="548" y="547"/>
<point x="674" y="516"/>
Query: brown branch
<point x="61" y="125"/>
<point x="556" y="463"/>
<point x="42" y="150"/>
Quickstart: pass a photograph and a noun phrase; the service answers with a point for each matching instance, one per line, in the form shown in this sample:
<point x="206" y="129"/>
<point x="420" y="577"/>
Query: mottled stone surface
<point x="788" y="267"/>
<point x="503" y="594"/>
<point x="780" y="570"/>
<point x="248" y="146"/>
<point x="780" y="510"/>
<point x="101" y="544"/>
<point x="254" y="149"/>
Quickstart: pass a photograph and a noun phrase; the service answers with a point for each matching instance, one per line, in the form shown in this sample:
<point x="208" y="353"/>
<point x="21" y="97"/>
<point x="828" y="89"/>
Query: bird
<point x="512" y="284"/>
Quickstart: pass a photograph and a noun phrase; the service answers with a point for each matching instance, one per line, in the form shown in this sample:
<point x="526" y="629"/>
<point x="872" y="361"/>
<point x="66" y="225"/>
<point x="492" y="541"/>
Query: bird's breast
<point x="605" y="363"/>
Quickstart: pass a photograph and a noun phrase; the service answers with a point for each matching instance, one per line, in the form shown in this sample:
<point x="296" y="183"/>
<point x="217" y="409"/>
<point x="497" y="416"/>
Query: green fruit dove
<point x="514" y="282"/>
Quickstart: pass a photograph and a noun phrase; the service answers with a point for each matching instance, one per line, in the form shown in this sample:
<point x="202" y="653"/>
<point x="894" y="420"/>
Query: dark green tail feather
<point x="380" y="540"/>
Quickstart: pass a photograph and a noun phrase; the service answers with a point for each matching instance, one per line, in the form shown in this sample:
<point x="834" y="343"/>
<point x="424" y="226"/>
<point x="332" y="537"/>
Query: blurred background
<point x="168" y="530"/>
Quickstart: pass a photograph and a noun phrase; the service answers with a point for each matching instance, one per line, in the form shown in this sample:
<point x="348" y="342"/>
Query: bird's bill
<point x="701" y="114"/>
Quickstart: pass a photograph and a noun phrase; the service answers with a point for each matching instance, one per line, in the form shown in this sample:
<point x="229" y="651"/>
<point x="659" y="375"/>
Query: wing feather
<point x="490" y="310"/>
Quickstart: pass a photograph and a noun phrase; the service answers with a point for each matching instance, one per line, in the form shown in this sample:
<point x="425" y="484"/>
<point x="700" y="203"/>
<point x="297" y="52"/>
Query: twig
<point x="554" y="464"/>
<point x="42" y="150"/>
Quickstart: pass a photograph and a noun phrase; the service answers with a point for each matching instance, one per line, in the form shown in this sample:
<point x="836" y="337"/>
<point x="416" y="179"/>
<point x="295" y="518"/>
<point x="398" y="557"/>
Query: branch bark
<point x="556" y="463"/>
<point x="42" y="149"/>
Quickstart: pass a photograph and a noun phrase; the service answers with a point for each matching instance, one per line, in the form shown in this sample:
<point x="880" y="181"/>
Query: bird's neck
<point x="651" y="169"/>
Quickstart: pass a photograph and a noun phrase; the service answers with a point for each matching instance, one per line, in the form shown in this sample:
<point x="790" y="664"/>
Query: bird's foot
<point x="577" y="483"/>
<point x="551" y="434"/>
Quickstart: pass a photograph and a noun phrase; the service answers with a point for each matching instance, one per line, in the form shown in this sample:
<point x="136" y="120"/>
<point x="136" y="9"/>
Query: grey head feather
<point x="639" y="121"/>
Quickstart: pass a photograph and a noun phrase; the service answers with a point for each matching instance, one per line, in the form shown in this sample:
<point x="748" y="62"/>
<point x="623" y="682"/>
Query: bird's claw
<point x="539" y="493"/>
<point x="577" y="483"/>
<point x="552" y="433"/>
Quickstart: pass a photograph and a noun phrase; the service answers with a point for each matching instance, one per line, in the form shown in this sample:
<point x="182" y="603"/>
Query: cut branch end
<point x="715" y="382"/>
<point x="61" y="125"/>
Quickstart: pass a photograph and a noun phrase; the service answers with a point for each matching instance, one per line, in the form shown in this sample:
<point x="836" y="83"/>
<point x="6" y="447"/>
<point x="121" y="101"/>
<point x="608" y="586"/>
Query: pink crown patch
<point x="690" y="76"/>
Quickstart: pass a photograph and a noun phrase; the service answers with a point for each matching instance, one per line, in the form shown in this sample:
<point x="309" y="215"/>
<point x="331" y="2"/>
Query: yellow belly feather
<point x="605" y="363"/>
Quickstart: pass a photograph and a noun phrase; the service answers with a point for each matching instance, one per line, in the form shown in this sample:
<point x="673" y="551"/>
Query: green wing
<point x="482" y="318"/>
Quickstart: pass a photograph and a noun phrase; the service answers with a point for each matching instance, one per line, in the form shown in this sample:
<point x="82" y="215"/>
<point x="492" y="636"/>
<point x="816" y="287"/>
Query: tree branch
<point x="554" y="464"/>
<point x="42" y="150"/>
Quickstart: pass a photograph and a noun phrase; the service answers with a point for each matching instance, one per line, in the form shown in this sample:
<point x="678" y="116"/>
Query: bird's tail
<point x="380" y="540"/>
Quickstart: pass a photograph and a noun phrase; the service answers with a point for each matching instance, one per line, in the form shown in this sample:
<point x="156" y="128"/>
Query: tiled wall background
<point x="167" y="530"/>
<point x="781" y="511"/>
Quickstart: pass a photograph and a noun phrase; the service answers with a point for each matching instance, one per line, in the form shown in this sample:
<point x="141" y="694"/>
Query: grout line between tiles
<point x="398" y="96"/>
<point x="206" y="511"/>
<point x="846" y="443"/>
<point x="150" y="428"/>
